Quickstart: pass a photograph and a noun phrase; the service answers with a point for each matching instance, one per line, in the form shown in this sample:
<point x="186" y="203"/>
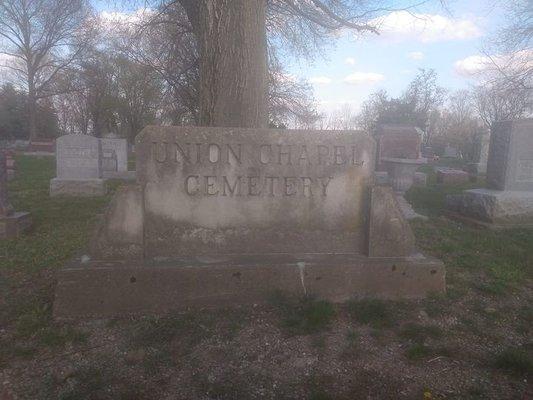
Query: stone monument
<point x="79" y="167"/>
<point x="223" y="216"/>
<point x="118" y="149"/>
<point x="508" y="199"/>
<point x="12" y="223"/>
<point x="396" y="141"/>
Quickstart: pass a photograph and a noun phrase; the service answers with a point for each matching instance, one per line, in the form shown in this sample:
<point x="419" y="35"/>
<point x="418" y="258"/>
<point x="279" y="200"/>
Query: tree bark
<point x="32" y="111"/>
<point x="233" y="61"/>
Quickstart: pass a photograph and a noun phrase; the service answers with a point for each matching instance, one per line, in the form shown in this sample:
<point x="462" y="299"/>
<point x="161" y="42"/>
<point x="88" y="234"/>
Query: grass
<point x="504" y="258"/>
<point x="515" y="360"/>
<point x="420" y="333"/>
<point x="485" y="270"/>
<point x="61" y="228"/>
<point x="303" y="316"/>
<point x="374" y="312"/>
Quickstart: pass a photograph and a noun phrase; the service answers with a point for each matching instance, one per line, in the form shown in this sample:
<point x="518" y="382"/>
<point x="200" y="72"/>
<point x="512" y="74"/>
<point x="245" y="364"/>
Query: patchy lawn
<point x="476" y="342"/>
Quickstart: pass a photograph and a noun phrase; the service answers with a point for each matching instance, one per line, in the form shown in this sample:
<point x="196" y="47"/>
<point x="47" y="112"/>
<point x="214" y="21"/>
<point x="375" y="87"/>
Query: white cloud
<point x="350" y="61"/>
<point x="477" y="64"/>
<point x="320" y="80"/>
<point x="116" y="21"/>
<point x="416" y="55"/>
<point x="403" y="25"/>
<point x="472" y="65"/>
<point x="359" y="78"/>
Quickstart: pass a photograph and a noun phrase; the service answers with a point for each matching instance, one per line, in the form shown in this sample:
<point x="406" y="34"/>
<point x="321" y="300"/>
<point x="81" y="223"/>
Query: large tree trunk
<point x="233" y="61"/>
<point x="32" y="112"/>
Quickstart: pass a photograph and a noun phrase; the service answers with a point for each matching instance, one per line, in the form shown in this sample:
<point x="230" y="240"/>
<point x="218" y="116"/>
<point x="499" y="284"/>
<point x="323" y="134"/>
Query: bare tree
<point x="232" y="38"/>
<point x="498" y="102"/>
<point x="510" y="52"/>
<point x="43" y="38"/>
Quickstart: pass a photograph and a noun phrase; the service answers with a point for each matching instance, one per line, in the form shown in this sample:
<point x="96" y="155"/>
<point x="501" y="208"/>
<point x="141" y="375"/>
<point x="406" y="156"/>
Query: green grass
<point x="515" y="360"/>
<point x="374" y="312"/>
<point x="303" y="316"/>
<point x="420" y="333"/>
<point x="61" y="228"/>
<point x="505" y="258"/>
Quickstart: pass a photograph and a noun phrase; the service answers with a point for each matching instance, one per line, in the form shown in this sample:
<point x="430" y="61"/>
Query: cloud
<point x="320" y="80"/>
<point x="416" y="55"/>
<point x="359" y="78"/>
<point x="477" y="64"/>
<point x="117" y="21"/>
<point x="403" y="25"/>
<point x="350" y="61"/>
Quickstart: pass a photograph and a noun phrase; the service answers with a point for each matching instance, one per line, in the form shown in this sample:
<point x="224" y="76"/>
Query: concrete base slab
<point x="493" y="208"/>
<point x="121" y="175"/>
<point x="114" y="289"/>
<point x="407" y="210"/>
<point x="15" y="224"/>
<point x="77" y="188"/>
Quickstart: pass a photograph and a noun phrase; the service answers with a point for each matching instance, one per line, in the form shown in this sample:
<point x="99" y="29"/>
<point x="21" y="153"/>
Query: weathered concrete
<point x="77" y="188"/>
<point x="450" y="176"/>
<point x="120" y="234"/>
<point x="229" y="191"/>
<point x="225" y="216"/>
<point x="106" y="290"/>
<point x="401" y="172"/>
<point x="389" y="232"/>
<point x="510" y="164"/>
<point x="501" y="208"/>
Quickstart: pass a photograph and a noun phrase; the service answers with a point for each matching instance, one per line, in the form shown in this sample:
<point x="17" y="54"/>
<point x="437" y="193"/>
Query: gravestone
<point x="450" y="176"/>
<point x="11" y="166"/>
<point x="226" y="216"/>
<point x="482" y="150"/>
<point x="12" y="223"/>
<point x="120" y="148"/>
<point x="109" y="161"/>
<point x="396" y="141"/>
<point x="450" y="152"/>
<point x="508" y="199"/>
<point x="79" y="167"/>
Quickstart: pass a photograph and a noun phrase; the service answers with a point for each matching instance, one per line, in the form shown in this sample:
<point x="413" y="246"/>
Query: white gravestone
<point x="79" y="167"/>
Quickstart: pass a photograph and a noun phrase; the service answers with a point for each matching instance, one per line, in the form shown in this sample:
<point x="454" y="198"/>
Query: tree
<point x="513" y="44"/>
<point x="499" y="102"/>
<point x="14" y="115"/>
<point x="232" y="41"/>
<point x="43" y="38"/>
<point x="418" y="105"/>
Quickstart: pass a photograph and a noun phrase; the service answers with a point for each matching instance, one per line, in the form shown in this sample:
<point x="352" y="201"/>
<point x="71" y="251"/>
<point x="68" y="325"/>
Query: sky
<point x="450" y="41"/>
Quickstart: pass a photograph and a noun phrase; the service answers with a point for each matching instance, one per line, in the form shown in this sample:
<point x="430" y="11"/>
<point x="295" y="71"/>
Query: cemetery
<point x="184" y="214"/>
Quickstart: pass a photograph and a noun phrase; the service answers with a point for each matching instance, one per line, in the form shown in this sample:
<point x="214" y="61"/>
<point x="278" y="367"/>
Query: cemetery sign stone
<point x="226" y="216"/>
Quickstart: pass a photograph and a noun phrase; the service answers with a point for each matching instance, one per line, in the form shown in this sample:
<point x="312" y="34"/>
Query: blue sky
<point x="449" y="40"/>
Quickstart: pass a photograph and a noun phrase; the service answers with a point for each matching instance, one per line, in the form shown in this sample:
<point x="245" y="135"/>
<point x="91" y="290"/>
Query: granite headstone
<point x="78" y="166"/>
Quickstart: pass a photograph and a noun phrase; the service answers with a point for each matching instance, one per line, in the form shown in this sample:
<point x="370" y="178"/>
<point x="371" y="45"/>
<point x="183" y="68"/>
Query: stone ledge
<point x="15" y="224"/>
<point x="77" y="188"/>
<point x="492" y="208"/>
<point x="114" y="289"/>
